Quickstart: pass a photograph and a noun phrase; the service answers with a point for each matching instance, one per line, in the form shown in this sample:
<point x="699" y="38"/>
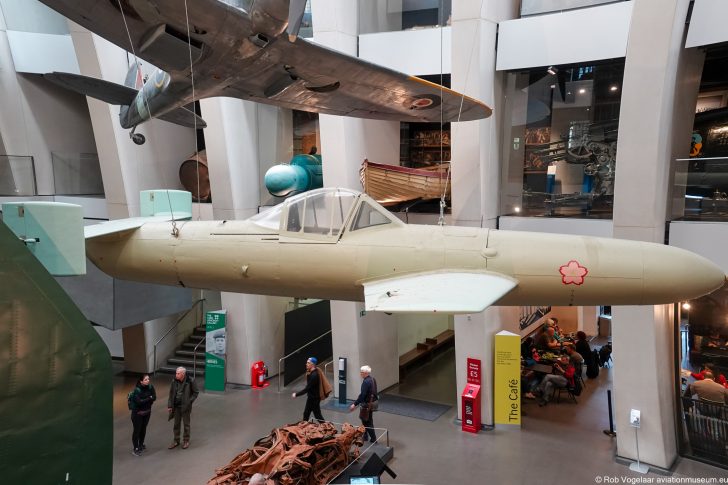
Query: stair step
<point x="166" y="369"/>
<point x="191" y="346"/>
<point x="190" y="354"/>
<point x="185" y="361"/>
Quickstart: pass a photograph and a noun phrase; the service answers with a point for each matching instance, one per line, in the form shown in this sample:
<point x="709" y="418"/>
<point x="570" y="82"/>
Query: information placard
<point x="507" y="387"/>
<point x="215" y="350"/>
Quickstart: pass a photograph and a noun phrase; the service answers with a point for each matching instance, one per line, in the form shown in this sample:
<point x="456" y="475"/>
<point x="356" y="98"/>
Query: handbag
<point x="364" y="413"/>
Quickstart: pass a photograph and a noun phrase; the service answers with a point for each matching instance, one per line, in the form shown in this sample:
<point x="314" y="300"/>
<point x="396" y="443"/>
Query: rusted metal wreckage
<point x="305" y="453"/>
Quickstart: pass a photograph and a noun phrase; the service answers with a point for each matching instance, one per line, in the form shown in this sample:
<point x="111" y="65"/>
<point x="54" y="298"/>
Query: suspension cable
<point x="194" y="112"/>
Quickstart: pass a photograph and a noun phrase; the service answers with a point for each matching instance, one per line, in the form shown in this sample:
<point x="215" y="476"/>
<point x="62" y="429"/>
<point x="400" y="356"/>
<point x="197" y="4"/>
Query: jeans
<point x="139" y="421"/>
<point x="549" y="382"/>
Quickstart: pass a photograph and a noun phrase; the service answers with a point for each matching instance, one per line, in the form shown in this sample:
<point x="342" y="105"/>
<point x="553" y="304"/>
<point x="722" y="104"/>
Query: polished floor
<point x="557" y="444"/>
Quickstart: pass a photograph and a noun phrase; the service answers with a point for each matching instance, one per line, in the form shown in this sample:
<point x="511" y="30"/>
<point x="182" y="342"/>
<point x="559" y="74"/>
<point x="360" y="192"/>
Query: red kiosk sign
<point x="473" y="371"/>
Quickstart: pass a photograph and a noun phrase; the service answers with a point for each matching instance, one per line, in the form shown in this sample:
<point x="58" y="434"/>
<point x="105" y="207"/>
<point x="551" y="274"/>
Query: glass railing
<point x="17" y="176"/>
<point x="701" y="189"/>
<point x="77" y="174"/>
<point x="538" y="7"/>
<point x="389" y="15"/>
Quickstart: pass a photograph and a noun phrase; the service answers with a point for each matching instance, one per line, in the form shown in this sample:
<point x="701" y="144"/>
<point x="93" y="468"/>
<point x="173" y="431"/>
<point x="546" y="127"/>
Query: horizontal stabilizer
<point x="108" y="92"/>
<point x="120" y="226"/>
<point x="438" y="291"/>
<point x="52" y="231"/>
<point x="184" y="117"/>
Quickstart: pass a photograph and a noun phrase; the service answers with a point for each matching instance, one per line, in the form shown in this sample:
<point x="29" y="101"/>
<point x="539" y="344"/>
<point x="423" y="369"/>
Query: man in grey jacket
<point x="182" y="393"/>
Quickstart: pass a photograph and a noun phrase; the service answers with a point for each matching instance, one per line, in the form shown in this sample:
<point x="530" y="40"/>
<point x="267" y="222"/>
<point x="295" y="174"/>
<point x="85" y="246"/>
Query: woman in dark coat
<point x="142" y="398"/>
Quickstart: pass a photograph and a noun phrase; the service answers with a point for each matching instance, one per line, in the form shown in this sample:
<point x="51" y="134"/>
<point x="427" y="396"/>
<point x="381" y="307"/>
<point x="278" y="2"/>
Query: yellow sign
<point x="507" y="384"/>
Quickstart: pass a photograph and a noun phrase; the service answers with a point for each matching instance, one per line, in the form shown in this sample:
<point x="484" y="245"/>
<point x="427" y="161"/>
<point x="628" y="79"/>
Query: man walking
<point x="312" y="390"/>
<point x="367" y="397"/>
<point x="182" y="393"/>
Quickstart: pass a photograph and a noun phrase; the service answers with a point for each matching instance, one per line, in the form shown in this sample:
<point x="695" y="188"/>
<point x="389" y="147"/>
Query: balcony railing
<point x="17" y="176"/>
<point x="701" y="189"/>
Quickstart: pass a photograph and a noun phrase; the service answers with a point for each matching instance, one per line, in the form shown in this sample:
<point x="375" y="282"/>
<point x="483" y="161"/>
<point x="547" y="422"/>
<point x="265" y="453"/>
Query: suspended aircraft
<point x="340" y="244"/>
<point x="246" y="49"/>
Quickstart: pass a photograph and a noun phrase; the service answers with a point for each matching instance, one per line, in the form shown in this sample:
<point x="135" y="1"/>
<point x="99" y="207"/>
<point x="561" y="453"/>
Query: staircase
<point x="184" y="355"/>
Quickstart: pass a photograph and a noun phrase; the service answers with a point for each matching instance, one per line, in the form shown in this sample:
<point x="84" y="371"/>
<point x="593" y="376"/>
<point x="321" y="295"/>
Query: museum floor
<point x="560" y="443"/>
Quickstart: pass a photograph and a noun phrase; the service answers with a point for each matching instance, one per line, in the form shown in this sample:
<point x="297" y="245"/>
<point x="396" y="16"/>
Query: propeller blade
<point x="296" y="9"/>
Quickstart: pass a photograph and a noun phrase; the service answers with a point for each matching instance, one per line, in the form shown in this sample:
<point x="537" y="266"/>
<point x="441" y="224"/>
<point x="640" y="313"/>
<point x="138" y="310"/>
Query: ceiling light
<point x="553" y="86"/>
<point x="552" y="70"/>
<point x="582" y="91"/>
<point x="517" y="209"/>
<point x="686" y="306"/>
<point x="613" y="88"/>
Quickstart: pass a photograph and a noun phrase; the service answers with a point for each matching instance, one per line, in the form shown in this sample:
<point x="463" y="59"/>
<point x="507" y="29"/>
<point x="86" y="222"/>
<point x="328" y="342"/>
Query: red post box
<point x="471" y="408"/>
<point x="258" y="375"/>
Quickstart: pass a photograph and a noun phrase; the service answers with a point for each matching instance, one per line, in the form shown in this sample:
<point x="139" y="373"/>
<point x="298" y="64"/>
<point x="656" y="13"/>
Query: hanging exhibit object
<point x="392" y="184"/>
<point x="302" y="173"/>
<point x="364" y="253"/>
<point x="195" y="177"/>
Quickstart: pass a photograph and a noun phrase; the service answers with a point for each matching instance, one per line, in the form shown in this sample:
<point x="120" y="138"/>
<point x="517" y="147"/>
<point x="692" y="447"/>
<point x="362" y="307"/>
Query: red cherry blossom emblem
<point x="573" y="273"/>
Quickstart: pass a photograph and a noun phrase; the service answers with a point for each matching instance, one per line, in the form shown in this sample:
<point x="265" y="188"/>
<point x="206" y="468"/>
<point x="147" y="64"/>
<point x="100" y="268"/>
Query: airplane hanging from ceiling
<point x="340" y="244"/>
<point x="246" y="49"/>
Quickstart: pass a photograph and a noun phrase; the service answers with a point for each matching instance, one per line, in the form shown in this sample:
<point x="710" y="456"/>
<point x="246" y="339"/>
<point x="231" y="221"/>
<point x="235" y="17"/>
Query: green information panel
<point x="215" y="350"/>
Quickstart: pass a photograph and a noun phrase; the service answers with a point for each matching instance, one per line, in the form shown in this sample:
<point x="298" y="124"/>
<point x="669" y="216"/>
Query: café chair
<point x="569" y="391"/>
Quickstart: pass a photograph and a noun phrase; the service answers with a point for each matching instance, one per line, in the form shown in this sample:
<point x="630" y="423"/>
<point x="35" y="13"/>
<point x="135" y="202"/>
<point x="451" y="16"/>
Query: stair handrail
<point x="194" y="357"/>
<point x="294" y="352"/>
<point x="154" y="369"/>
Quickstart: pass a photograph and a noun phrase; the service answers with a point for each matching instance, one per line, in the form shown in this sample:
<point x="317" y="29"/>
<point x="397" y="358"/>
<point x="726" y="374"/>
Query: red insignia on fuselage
<point x="572" y="273"/>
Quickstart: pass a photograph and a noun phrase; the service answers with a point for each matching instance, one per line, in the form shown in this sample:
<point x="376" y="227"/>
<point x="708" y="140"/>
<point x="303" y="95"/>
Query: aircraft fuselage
<point x="237" y="256"/>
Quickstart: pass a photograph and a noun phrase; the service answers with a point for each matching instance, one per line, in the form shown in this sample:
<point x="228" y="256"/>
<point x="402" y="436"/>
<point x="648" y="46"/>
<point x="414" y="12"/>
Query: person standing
<point x="142" y="398"/>
<point x="182" y="393"/>
<point x="367" y="396"/>
<point x="312" y="391"/>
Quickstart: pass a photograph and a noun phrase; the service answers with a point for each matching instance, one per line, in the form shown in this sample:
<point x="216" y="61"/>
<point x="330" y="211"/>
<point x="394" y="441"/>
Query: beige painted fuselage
<point x="240" y="256"/>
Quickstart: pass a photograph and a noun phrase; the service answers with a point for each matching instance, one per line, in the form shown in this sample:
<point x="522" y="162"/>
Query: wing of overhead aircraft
<point x="247" y="54"/>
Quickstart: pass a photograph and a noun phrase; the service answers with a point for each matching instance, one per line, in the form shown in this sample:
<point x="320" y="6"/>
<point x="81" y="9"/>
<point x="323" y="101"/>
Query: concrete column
<point x="587" y="319"/>
<point x="233" y="140"/>
<point x="475" y="144"/>
<point x="475" y="338"/>
<point x="656" y="115"/>
<point x="475" y="171"/>
<point x="345" y="142"/>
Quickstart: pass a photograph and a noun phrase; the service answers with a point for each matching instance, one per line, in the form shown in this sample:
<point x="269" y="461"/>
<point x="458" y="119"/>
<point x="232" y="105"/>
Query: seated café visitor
<point x="713" y="340"/>
<point x="563" y="376"/>
<point x="582" y="346"/>
<point x="708" y="389"/>
<point x="708" y="367"/>
<point x="547" y="341"/>
<point x="575" y="357"/>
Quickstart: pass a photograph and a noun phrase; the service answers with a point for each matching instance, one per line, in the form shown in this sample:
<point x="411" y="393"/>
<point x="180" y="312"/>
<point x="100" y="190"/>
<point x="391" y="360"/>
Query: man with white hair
<point x="367" y="396"/>
<point x="182" y="393"/>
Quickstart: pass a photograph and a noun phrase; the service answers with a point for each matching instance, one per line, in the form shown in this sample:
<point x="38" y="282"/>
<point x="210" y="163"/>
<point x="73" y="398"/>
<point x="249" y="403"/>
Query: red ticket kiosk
<point x="471" y="408"/>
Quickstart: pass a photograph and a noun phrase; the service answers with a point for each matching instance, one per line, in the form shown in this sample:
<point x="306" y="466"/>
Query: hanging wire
<point x="175" y="231"/>
<point x="441" y="220"/>
<point x="194" y="112"/>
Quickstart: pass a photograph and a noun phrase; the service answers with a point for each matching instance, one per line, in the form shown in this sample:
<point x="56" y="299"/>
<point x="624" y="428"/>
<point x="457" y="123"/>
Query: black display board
<point x="709" y="314"/>
<point x="303" y="325"/>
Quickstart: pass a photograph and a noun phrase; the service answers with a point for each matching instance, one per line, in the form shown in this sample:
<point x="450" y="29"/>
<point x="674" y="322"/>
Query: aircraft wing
<point x="309" y="77"/>
<point x="439" y="291"/>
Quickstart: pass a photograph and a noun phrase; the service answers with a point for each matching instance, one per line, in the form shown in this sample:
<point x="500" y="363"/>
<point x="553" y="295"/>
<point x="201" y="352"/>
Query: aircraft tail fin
<point x="106" y="91"/>
<point x="134" y="78"/>
<point x="53" y="232"/>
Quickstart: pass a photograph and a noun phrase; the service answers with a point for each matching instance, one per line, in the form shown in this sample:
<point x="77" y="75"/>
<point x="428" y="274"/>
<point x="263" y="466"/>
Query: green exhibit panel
<point x="55" y="379"/>
<point x="52" y="231"/>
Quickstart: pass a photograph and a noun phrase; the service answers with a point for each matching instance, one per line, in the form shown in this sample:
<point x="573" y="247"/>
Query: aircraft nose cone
<point x="677" y="274"/>
<point x="280" y="180"/>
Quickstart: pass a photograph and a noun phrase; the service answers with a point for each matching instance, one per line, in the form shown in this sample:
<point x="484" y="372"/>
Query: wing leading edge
<point x="440" y="291"/>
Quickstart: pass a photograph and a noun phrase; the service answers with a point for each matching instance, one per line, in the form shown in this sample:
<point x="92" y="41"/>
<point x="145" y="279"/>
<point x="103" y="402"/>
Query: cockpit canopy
<point x="324" y="214"/>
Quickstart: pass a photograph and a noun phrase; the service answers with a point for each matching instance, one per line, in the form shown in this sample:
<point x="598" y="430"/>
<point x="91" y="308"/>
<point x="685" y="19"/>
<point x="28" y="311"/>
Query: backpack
<point x="130" y="399"/>
<point x="592" y="365"/>
<point x="577" y="387"/>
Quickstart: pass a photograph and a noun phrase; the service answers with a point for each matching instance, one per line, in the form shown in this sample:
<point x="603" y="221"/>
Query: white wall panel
<point x="588" y="34"/>
<point x="58" y="53"/>
<point x="708" y="23"/>
<point x="707" y="239"/>
<point x="583" y="227"/>
<point x="417" y="52"/>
